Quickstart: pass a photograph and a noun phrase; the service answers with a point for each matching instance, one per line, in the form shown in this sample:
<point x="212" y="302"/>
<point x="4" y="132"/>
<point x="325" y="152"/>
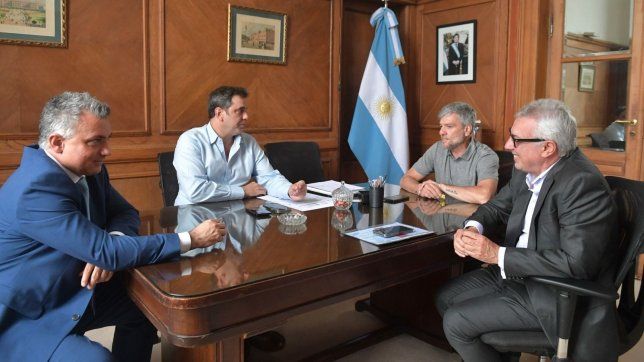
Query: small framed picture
<point x="456" y="53"/>
<point x="256" y="35"/>
<point x="586" y="77"/>
<point x="34" y="22"/>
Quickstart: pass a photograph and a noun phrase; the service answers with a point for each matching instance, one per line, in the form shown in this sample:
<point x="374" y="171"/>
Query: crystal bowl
<point x="292" y="218"/>
<point x="292" y="229"/>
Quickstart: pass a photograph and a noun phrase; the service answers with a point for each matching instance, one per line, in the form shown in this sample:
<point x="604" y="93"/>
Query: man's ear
<point x="219" y="112"/>
<point x="550" y="148"/>
<point x="56" y="143"/>
<point x="468" y="130"/>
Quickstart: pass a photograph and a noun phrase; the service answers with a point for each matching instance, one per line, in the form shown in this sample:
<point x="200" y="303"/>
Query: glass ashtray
<point x="291" y="229"/>
<point x="292" y="218"/>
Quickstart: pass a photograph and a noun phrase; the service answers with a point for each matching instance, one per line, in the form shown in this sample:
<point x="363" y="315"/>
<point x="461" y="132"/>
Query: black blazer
<point x="572" y="235"/>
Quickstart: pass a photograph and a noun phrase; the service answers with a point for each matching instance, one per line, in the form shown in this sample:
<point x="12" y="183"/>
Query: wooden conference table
<point x="206" y="303"/>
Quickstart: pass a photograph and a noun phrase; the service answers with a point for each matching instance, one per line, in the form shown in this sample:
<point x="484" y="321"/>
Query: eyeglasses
<point x="516" y="140"/>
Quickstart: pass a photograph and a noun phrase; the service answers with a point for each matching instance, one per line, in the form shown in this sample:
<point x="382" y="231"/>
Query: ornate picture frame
<point x="34" y="22"/>
<point x="456" y="53"/>
<point x="256" y="35"/>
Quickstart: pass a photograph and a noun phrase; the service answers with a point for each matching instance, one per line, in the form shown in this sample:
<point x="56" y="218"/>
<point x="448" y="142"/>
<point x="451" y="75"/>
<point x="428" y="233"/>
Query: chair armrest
<point x="579" y="287"/>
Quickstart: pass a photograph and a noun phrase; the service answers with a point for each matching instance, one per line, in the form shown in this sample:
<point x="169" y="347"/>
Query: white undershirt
<point x="534" y="185"/>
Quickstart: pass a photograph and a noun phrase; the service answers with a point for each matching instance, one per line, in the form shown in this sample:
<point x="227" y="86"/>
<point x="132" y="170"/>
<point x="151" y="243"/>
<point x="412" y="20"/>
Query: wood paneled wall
<point x="487" y="94"/>
<point x="155" y="61"/>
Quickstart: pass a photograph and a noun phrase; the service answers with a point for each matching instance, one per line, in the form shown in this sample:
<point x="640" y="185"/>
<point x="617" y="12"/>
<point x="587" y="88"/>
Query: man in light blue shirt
<point x="219" y="162"/>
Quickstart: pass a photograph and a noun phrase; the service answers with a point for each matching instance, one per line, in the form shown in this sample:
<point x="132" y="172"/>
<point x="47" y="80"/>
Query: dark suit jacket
<point x="572" y="236"/>
<point x="45" y="241"/>
<point x="452" y="55"/>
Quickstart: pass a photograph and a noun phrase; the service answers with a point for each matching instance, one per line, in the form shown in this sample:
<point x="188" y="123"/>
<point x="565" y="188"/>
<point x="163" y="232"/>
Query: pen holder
<point x="376" y="194"/>
<point x="375" y="216"/>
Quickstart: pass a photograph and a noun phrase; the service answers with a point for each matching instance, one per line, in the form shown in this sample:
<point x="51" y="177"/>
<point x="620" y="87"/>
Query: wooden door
<point x="595" y="67"/>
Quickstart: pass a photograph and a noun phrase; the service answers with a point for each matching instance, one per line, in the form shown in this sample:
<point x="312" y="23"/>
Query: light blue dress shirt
<point x="205" y="175"/>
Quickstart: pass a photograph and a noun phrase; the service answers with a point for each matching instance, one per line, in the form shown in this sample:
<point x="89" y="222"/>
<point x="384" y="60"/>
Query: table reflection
<point x="243" y="229"/>
<point x="441" y="219"/>
<point x="259" y="250"/>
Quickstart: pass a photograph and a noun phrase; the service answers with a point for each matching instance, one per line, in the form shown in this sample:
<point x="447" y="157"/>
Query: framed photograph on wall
<point x="256" y="35"/>
<point x="586" y="77"/>
<point x="456" y="53"/>
<point x="34" y="22"/>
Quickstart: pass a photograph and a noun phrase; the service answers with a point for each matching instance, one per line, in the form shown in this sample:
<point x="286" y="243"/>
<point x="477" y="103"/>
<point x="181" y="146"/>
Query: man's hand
<point x="429" y="189"/>
<point x="429" y="207"/>
<point x="470" y="242"/>
<point x="253" y="189"/>
<point x="93" y="275"/>
<point x="207" y="233"/>
<point x="297" y="191"/>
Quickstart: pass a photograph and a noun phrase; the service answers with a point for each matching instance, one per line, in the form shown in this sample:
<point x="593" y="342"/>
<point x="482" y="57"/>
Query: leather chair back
<point x="296" y="160"/>
<point x="506" y="165"/>
<point x="168" y="178"/>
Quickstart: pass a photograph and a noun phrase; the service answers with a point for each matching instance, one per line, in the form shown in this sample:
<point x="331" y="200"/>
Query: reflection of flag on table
<point x="378" y="135"/>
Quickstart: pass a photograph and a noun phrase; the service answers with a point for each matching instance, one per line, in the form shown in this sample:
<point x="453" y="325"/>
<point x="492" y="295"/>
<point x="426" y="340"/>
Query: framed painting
<point x="586" y="77"/>
<point x="456" y="53"/>
<point x="34" y="22"/>
<point x="256" y="35"/>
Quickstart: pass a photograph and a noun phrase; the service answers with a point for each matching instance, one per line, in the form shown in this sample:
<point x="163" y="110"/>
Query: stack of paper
<point x="327" y="187"/>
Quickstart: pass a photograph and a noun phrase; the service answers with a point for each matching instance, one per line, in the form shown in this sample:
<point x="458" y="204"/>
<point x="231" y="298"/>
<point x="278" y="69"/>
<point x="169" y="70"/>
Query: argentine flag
<point x="378" y="135"/>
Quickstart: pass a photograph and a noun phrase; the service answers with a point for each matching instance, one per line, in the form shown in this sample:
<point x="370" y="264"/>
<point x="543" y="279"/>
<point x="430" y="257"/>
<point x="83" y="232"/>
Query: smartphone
<point x="391" y="231"/>
<point x="394" y="199"/>
<point x="260" y="212"/>
<point x="275" y="208"/>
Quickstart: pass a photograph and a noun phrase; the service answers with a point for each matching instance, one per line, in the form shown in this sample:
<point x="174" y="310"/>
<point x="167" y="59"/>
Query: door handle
<point x="625" y="122"/>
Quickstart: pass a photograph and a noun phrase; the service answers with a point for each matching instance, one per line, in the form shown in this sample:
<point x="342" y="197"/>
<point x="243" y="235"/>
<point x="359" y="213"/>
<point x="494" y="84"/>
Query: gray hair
<point x="465" y="113"/>
<point x="555" y="123"/>
<point x="222" y="97"/>
<point x="60" y="114"/>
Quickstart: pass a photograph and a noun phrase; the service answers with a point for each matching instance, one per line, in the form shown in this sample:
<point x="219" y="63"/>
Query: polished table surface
<point x="264" y="271"/>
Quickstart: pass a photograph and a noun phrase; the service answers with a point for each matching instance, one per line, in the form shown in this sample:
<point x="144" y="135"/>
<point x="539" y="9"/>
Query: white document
<point x="369" y="236"/>
<point x="327" y="187"/>
<point x="310" y="202"/>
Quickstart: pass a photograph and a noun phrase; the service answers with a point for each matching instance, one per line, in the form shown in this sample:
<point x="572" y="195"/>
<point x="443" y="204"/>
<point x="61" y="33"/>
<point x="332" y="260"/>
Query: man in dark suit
<point x="63" y="231"/>
<point x="560" y="221"/>
<point x="455" y="54"/>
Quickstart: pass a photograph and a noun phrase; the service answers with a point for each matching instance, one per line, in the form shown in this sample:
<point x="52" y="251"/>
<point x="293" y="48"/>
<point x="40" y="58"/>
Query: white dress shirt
<point x="534" y="185"/>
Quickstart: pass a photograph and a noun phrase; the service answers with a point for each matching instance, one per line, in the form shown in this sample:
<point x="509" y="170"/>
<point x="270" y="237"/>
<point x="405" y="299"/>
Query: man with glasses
<point x="560" y="218"/>
<point x="464" y="169"/>
<point x="219" y="162"/>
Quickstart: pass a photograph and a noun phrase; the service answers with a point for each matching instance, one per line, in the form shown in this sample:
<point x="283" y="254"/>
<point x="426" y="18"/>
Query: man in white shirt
<point x="219" y="162"/>
<point x="560" y="221"/>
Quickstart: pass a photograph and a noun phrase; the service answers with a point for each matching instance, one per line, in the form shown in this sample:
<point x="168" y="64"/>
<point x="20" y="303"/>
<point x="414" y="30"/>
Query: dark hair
<point x="222" y="97"/>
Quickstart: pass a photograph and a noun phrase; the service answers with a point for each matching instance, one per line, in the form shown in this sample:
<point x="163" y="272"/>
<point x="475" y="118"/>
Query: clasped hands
<point x="468" y="242"/>
<point x="430" y="189"/>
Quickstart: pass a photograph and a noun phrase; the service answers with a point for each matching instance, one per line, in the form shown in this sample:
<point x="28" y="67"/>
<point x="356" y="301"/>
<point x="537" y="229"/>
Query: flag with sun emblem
<point x="378" y="135"/>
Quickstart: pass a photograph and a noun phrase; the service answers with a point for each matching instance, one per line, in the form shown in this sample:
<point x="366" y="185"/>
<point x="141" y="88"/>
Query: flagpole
<point x="386" y="3"/>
